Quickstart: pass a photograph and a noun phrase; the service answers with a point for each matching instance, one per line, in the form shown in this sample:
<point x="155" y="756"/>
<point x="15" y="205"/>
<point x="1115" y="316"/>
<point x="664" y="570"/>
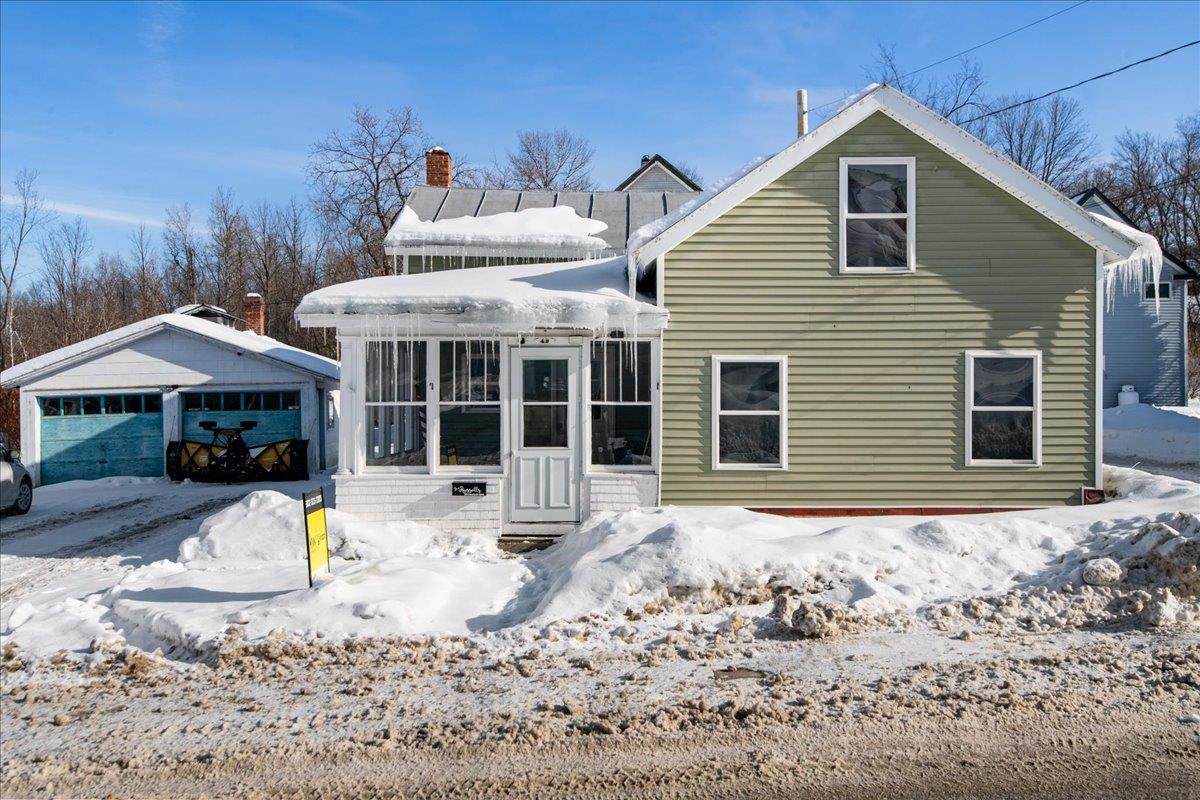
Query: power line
<point x="992" y="41"/>
<point x="1081" y="83"/>
<point x="964" y="52"/>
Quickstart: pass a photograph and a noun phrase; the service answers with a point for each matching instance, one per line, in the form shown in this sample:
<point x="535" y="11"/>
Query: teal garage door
<point x="100" y="436"/>
<point x="277" y="414"/>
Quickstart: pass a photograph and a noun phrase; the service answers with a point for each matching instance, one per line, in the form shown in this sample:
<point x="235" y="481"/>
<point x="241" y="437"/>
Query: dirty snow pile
<point x="1156" y="433"/>
<point x="557" y="228"/>
<point x="586" y="295"/>
<point x="1135" y="558"/>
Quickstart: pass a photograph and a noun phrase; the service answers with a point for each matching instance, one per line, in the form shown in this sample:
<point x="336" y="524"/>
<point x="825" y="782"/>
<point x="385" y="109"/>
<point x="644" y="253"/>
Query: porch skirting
<point x="428" y="499"/>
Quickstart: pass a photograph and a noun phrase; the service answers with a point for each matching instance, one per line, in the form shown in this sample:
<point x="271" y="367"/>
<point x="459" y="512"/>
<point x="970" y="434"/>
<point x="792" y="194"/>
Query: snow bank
<point x="588" y="295"/>
<point x="558" y="228"/>
<point x="1156" y="433"/>
<point x="246" y="571"/>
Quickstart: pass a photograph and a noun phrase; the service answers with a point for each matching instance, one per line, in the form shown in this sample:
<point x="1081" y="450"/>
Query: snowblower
<point x="228" y="459"/>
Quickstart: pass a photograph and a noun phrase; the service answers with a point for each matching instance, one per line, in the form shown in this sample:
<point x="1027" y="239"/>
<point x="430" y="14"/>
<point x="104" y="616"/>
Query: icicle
<point x="1144" y="263"/>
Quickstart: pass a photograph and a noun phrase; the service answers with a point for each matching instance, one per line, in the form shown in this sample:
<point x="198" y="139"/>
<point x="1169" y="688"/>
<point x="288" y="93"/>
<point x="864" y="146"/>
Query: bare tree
<point x="363" y="175"/>
<point x="551" y="160"/>
<point x="147" y="276"/>
<point x="19" y="226"/>
<point x="64" y="251"/>
<point x="226" y="256"/>
<point x="1050" y="137"/>
<point x="181" y="251"/>
<point x="957" y="96"/>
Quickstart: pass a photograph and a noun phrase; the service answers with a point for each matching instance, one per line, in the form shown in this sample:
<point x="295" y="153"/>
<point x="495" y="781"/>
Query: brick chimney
<point x="253" y="314"/>
<point x="437" y="168"/>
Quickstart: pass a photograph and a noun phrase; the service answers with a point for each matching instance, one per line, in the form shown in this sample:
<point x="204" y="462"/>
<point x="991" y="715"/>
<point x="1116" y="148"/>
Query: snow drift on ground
<point x="246" y="570"/>
<point x="1163" y="434"/>
<point x="558" y="228"/>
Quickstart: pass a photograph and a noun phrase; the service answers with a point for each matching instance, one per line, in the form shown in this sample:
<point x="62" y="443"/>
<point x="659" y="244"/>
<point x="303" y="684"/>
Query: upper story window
<point x="877" y="214"/>
<point x="1164" y="291"/>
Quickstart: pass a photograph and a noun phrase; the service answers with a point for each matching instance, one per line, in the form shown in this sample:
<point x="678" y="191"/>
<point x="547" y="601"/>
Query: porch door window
<point x="469" y="411"/>
<point x="544" y="399"/>
<point x="621" y="403"/>
<point x="396" y="418"/>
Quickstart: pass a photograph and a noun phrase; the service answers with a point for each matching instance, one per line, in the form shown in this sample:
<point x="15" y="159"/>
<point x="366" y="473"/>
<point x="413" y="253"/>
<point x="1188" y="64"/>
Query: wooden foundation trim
<point x="902" y="511"/>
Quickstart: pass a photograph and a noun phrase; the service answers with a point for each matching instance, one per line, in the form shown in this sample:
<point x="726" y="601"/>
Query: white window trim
<point x="586" y="376"/>
<point x="911" y="226"/>
<point x="715" y="422"/>
<point x="1160" y="296"/>
<point x="969" y="406"/>
<point x="436" y="466"/>
<point x="432" y="405"/>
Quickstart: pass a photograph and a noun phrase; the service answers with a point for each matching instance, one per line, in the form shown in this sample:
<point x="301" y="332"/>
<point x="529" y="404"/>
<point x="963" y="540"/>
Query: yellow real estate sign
<point x="317" y="533"/>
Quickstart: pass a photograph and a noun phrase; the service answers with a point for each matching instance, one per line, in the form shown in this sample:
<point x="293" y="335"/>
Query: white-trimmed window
<point x="622" y="408"/>
<point x="749" y="412"/>
<point x="1004" y="408"/>
<point x="396" y="415"/>
<point x="1164" y="291"/>
<point x="877" y="214"/>
<point x="469" y="407"/>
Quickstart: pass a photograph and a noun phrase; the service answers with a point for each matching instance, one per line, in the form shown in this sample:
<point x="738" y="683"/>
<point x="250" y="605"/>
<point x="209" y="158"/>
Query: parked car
<point x="16" y="487"/>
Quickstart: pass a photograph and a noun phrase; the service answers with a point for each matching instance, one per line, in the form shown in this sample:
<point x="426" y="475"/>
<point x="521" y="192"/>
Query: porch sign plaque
<point x="316" y="533"/>
<point x="468" y="489"/>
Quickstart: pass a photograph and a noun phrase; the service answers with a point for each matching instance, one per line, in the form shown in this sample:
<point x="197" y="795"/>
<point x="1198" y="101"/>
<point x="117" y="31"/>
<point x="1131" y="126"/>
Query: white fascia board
<point x="937" y="130"/>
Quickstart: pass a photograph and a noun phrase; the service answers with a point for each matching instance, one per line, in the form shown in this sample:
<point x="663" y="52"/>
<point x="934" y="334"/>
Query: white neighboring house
<point x="109" y="405"/>
<point x="1145" y="329"/>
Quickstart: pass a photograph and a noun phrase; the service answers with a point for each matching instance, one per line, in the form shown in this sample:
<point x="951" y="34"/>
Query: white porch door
<point x="545" y="475"/>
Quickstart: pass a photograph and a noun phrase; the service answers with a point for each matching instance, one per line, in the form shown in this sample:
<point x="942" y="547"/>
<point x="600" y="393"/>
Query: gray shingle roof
<point x="623" y="212"/>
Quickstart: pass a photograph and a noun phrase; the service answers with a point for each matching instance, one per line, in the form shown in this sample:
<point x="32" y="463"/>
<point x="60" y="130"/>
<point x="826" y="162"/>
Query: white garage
<point x="109" y="405"/>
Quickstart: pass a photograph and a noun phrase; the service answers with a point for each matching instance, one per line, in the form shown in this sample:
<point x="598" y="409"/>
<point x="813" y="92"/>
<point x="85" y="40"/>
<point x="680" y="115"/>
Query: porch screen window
<point x="878" y="214"/>
<point x="395" y="404"/>
<point x="621" y="403"/>
<point x="470" y="403"/>
<point x="749" y="412"/>
<point x="1004" y="408"/>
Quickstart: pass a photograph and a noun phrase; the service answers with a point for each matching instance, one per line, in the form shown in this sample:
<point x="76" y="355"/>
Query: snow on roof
<point x="558" y="228"/>
<point x="243" y="340"/>
<point x="583" y="295"/>
<point x="1145" y="263"/>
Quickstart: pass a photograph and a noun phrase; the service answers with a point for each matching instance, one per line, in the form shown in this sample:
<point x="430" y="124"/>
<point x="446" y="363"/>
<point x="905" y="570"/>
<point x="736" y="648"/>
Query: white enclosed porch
<point x="520" y="405"/>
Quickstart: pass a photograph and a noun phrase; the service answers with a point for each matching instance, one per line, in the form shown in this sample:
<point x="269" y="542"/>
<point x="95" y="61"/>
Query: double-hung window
<point x="1004" y="408"/>
<point x="877" y="214"/>
<point x="396" y="417"/>
<point x="749" y="399"/>
<point x="1160" y="292"/>
<point x="621" y="403"/>
<point x="469" y="408"/>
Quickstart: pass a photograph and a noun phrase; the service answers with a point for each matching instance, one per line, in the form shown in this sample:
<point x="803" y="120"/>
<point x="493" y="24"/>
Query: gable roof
<point x="623" y="212"/>
<point x="648" y="162"/>
<point x="666" y="234"/>
<point x="242" y="340"/>
<point x="1095" y="198"/>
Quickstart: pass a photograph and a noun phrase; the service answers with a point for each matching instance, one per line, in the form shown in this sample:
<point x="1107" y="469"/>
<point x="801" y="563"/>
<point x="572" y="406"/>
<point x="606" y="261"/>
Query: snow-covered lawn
<point x="1161" y="434"/>
<point x="245" y="570"/>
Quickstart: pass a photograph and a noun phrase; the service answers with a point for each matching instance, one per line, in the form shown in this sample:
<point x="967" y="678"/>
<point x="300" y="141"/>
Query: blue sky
<point x="128" y="108"/>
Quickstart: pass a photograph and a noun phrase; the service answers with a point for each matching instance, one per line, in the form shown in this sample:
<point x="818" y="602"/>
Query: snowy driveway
<point x="84" y="536"/>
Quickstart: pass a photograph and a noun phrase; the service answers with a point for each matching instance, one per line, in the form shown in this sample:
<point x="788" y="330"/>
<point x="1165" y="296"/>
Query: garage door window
<point x="97" y="404"/>
<point x="241" y="401"/>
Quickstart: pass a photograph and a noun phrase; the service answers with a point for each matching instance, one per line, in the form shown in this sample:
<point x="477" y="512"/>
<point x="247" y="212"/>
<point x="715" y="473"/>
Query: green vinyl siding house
<point x="886" y="316"/>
